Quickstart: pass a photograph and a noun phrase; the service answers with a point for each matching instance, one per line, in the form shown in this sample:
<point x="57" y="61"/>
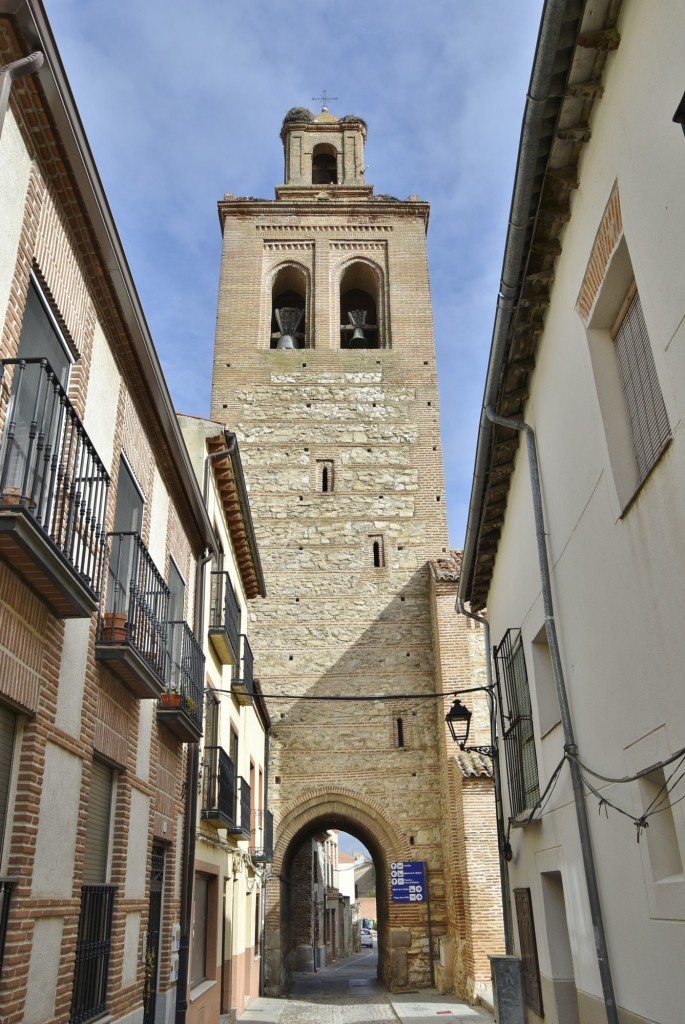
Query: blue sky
<point x="182" y="103"/>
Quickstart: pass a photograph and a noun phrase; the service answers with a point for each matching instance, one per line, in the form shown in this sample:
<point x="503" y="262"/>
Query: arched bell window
<point x="324" y="165"/>
<point x="359" y="308"/>
<point x="288" y="309"/>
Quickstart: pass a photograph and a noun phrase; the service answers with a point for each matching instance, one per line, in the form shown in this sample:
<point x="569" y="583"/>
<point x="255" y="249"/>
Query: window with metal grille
<point x="89" y="997"/>
<point x="647" y="414"/>
<point x="517" y="724"/>
<point x="529" y="950"/>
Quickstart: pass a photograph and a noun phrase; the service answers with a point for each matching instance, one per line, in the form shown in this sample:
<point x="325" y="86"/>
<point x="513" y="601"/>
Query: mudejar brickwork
<point x="325" y="368"/>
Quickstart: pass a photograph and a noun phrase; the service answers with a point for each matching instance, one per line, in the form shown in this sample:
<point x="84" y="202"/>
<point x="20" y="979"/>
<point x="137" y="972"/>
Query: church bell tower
<point x="324" y="367"/>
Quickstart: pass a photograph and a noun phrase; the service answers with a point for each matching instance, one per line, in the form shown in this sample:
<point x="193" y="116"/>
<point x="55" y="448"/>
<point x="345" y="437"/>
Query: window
<point x="549" y="714"/>
<point x="177" y="589"/>
<point x="517" y="726"/>
<point x="400" y="732"/>
<point x="35" y="413"/>
<point x="325" y="476"/>
<point x="376" y="552"/>
<point x="198" y="959"/>
<point x="529" y="950"/>
<point x="662" y="837"/>
<point x="89" y="998"/>
<point x="8" y="732"/>
<point x="128" y="520"/>
<point x="647" y="414"/>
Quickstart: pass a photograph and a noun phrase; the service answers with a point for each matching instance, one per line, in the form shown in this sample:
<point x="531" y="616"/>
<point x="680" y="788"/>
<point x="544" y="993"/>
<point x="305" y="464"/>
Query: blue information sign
<point x="408" y="881"/>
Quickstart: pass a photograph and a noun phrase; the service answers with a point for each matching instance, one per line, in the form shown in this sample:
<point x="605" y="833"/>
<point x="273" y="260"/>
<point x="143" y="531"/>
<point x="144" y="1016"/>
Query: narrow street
<point x="348" y="992"/>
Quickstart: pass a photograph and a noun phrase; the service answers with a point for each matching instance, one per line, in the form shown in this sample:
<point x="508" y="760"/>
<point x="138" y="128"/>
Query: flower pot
<point x="114" y="627"/>
<point x="170" y="699"/>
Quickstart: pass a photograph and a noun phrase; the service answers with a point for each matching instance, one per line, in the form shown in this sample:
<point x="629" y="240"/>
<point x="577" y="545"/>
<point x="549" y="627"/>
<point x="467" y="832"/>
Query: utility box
<point x="507" y="989"/>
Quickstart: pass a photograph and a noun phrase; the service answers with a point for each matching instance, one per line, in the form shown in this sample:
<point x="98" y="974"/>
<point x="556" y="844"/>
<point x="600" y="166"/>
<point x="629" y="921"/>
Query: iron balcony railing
<point x="49" y="467"/>
<point x="242" y="807"/>
<point x="262" y="846"/>
<point x="6" y="885"/>
<point x="218" y="786"/>
<point x="89" y="998"/>
<point x="243" y="686"/>
<point x="225" y="611"/>
<point x="185" y="670"/>
<point x="137" y="604"/>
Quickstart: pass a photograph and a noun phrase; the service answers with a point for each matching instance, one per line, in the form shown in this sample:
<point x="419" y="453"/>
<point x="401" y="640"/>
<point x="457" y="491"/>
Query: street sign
<point x="408" y="881"/>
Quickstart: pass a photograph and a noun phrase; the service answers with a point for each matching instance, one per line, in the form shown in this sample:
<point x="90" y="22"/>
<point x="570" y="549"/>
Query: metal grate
<point x="89" y="999"/>
<point x="517" y="730"/>
<point x="186" y="669"/>
<point x="646" y="409"/>
<point x="225" y="610"/>
<point x="218" y="785"/>
<point x="50" y="468"/>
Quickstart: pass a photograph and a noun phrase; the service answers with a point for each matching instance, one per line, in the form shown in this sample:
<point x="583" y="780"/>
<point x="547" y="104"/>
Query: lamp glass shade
<point x="458" y="719"/>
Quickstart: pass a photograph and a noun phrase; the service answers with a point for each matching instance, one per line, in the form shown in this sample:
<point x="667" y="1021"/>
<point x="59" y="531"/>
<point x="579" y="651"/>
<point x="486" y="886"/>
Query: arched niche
<point x="361" y="305"/>
<point x="289" y="301"/>
<point x="324" y="164"/>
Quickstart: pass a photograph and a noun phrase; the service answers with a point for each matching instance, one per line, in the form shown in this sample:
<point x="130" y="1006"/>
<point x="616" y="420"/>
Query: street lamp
<point x="458" y="719"/>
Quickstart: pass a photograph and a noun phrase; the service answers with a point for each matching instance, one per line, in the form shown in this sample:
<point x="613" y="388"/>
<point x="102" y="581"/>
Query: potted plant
<point x="171" y="698"/>
<point x="189" y="704"/>
<point x="114" y="626"/>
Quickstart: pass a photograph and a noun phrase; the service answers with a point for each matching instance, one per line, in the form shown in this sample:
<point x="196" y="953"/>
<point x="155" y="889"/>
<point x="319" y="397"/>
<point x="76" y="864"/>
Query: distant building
<point x="581" y="568"/>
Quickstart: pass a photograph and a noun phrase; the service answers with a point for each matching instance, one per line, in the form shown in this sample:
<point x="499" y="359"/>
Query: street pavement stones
<point x="347" y="992"/>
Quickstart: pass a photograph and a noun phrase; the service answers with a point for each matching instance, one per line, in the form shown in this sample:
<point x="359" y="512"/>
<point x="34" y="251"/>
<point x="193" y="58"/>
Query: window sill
<point x="640" y="486"/>
<point x="201" y="988"/>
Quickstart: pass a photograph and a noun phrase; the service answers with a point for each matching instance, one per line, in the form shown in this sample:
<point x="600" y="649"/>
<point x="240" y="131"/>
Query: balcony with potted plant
<point x="180" y="704"/>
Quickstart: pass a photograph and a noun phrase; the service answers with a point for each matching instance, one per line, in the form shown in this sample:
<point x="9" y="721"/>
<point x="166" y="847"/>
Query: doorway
<point x="154" y="928"/>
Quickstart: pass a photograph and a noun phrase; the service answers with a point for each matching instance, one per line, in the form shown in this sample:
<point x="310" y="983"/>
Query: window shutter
<point x="8" y="722"/>
<point x="529" y="950"/>
<point x="98" y="825"/>
<point x="646" y="409"/>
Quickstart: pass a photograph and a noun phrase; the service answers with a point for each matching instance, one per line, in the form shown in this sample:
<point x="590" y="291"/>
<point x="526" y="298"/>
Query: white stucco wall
<point x="136" y="860"/>
<point x="617" y="581"/>
<point x="43" y="970"/>
<point x="15" y="169"/>
<point x="53" y="870"/>
<point x="104" y="385"/>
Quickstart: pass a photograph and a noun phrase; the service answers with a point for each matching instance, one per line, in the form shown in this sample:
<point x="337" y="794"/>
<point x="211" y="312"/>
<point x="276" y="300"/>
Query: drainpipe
<point x="10" y="72"/>
<point x="567" y="724"/>
<point x="499" y="813"/>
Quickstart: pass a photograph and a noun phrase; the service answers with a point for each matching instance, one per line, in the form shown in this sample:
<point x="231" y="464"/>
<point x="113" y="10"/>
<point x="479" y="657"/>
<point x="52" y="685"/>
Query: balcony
<point x="218" y="788"/>
<point x="241" y="819"/>
<point x="132" y="631"/>
<point x="262" y="841"/>
<point x="224" y="619"/>
<point x="243" y="687"/>
<point x="53" y="492"/>
<point x="180" y="706"/>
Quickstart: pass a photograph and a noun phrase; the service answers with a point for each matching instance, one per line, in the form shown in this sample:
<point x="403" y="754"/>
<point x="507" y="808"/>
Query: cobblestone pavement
<point x="347" y="992"/>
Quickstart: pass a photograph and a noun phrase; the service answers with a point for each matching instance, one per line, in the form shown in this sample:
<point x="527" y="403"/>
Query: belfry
<point x="324" y="366"/>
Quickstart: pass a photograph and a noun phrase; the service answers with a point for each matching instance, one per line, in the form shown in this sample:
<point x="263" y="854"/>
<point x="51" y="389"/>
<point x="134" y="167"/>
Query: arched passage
<point x="402" y="929"/>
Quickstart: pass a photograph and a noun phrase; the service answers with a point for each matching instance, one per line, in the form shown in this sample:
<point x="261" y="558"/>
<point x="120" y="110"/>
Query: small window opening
<point x="400" y="732"/>
<point x="377" y="555"/>
<point x="325" y="475"/>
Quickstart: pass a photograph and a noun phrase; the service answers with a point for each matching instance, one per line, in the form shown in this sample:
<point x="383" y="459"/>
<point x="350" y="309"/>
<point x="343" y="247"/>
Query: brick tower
<point x="325" y="367"/>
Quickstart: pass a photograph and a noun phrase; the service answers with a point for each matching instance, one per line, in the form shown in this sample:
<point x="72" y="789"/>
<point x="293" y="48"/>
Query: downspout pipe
<point x="499" y="813"/>
<point x="567" y="723"/>
<point x="11" y="72"/>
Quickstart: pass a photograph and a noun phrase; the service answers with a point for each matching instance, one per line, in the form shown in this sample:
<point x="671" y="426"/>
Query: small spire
<point x="323" y="99"/>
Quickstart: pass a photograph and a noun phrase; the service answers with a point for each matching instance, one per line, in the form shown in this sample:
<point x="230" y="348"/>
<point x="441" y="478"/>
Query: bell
<point x="357" y="318"/>
<point x="358" y="335"/>
<point x="288" y="319"/>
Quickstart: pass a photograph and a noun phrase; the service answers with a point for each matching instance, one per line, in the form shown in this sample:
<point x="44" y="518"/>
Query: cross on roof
<point x="324" y="98"/>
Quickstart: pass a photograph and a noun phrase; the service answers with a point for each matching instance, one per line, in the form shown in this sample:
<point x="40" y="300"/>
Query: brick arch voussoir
<point x="336" y="801"/>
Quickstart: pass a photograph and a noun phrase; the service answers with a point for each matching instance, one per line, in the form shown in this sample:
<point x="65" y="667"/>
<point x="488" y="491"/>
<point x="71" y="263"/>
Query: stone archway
<point x="403" y="931"/>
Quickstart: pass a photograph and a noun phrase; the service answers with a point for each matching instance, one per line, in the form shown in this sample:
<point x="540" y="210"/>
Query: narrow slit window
<point x="376" y="550"/>
<point x="326" y="476"/>
<point x="400" y="732"/>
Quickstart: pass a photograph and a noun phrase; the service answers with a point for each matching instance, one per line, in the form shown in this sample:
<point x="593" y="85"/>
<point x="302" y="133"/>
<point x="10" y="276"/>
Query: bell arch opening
<point x="359" y="305"/>
<point x="289" y="309"/>
<point x="324" y="165"/>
